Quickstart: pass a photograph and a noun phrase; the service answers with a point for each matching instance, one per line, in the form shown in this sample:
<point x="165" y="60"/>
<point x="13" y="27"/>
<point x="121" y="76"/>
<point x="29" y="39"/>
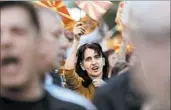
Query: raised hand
<point x="79" y="30"/>
<point x="98" y="82"/>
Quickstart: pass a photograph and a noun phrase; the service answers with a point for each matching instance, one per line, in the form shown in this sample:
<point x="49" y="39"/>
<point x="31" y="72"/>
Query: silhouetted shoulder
<point x="57" y="104"/>
<point x="117" y="95"/>
<point x="68" y="99"/>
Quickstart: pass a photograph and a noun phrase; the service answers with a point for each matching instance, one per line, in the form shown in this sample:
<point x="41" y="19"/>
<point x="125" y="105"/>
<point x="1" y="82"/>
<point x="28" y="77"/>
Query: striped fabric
<point x="59" y="7"/>
<point x="95" y="9"/>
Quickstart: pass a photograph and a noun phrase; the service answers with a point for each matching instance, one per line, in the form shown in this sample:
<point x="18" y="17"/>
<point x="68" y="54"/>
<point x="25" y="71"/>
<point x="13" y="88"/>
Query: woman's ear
<point x="82" y="67"/>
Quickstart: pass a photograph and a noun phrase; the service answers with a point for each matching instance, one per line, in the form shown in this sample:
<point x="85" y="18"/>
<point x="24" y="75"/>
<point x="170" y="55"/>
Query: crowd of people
<point x="46" y="67"/>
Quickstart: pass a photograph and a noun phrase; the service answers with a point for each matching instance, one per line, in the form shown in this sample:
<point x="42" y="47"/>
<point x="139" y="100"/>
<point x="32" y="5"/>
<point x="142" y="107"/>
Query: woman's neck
<point x="96" y="77"/>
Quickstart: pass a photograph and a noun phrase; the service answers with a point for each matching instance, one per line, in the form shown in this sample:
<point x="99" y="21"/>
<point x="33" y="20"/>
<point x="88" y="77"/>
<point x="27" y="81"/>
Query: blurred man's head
<point x="19" y="44"/>
<point x="147" y="25"/>
<point x="54" y="41"/>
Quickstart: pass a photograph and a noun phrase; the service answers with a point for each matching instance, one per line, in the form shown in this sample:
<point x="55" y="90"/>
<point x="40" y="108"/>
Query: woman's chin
<point x="95" y="75"/>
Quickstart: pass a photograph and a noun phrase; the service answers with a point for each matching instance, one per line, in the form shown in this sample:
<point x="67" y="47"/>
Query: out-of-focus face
<point x="54" y="43"/>
<point x="93" y="63"/>
<point x="18" y="48"/>
<point x="151" y="71"/>
<point x="112" y="58"/>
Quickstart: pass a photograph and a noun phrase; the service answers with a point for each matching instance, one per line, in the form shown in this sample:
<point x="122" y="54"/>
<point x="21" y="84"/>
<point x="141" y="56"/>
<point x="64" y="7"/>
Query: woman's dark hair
<point x="80" y="57"/>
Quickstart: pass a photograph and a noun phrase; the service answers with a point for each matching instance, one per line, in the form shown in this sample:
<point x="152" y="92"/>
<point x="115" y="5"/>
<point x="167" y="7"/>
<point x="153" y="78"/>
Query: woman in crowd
<point x="85" y="68"/>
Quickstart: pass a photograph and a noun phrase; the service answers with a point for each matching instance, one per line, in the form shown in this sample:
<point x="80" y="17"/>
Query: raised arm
<point x="73" y="81"/>
<point x="71" y="59"/>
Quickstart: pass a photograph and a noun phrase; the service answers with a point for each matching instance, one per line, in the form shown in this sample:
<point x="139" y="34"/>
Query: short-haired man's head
<point x="26" y="6"/>
<point x="20" y="29"/>
<point x="53" y="34"/>
<point x="43" y="10"/>
<point x="148" y="26"/>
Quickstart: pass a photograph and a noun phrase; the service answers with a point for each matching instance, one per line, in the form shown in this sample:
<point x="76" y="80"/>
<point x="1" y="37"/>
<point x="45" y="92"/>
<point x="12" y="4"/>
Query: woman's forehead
<point x="90" y="52"/>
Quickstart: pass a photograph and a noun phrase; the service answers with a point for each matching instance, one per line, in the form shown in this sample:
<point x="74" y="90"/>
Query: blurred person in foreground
<point x="89" y="62"/>
<point x="21" y="84"/>
<point x="149" y="31"/>
<point x="54" y="45"/>
<point x="53" y="41"/>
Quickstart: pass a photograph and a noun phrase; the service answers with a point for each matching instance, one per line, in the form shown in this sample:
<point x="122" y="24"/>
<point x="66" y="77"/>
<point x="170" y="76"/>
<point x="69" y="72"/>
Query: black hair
<point x="109" y="52"/>
<point x="119" y="66"/>
<point x="80" y="57"/>
<point x="128" y="56"/>
<point x="28" y="6"/>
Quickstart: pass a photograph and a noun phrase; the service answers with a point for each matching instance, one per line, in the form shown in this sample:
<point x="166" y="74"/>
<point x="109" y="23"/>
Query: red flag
<point x="59" y="7"/>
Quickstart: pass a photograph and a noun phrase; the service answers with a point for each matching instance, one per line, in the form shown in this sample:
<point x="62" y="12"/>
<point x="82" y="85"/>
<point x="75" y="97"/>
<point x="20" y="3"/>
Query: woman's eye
<point x="97" y="56"/>
<point x="88" y="59"/>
